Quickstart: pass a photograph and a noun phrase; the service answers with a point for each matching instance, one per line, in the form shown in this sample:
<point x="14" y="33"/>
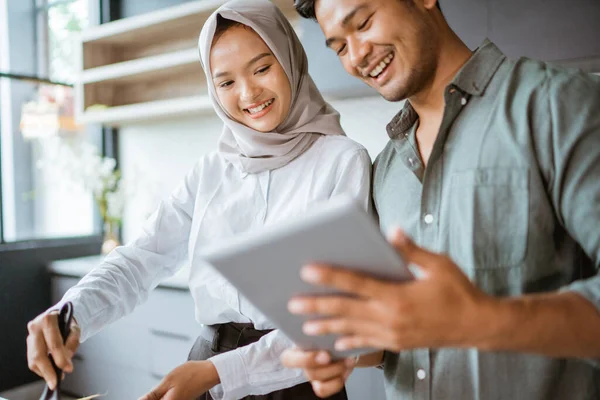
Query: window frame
<point x="63" y="247"/>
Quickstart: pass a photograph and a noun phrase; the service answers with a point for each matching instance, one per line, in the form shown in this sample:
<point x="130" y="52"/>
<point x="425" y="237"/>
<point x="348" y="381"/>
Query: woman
<point x="281" y="151"/>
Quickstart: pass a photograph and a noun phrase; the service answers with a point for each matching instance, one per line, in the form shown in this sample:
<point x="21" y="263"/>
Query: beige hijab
<point x="309" y="117"/>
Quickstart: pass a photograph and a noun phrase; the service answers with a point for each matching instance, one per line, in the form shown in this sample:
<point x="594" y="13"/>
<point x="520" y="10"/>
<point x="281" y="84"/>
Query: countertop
<point x="78" y="267"/>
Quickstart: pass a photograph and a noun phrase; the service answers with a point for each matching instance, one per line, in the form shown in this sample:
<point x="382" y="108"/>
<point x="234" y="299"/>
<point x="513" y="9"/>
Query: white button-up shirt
<point x="216" y="201"/>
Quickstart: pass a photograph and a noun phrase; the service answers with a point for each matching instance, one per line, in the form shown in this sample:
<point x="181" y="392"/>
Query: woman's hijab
<point x="309" y="116"/>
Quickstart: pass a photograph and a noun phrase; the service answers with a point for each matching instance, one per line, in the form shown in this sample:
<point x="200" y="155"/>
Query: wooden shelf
<point x="152" y="110"/>
<point x="152" y="67"/>
<point x="147" y="66"/>
<point x="157" y="22"/>
<point x="129" y="29"/>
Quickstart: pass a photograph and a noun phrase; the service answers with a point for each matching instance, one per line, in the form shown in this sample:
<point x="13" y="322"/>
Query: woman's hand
<point x="44" y="338"/>
<point x="186" y="382"/>
<point x="327" y="377"/>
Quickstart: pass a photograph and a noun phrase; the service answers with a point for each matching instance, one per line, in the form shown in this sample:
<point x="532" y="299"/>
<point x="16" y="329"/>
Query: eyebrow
<point x="346" y="21"/>
<point x="252" y="61"/>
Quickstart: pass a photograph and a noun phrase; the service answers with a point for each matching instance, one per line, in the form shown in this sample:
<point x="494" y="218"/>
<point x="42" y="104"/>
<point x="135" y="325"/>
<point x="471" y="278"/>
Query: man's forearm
<point x="552" y="324"/>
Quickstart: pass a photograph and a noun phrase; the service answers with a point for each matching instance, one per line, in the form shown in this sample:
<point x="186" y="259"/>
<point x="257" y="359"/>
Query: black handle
<point x="65" y="316"/>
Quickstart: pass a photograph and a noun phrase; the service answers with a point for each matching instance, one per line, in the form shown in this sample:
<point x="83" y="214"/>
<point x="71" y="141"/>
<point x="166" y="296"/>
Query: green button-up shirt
<point x="512" y="193"/>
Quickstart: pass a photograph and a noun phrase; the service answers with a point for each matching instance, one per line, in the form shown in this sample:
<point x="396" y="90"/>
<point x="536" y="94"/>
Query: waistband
<point x="231" y="335"/>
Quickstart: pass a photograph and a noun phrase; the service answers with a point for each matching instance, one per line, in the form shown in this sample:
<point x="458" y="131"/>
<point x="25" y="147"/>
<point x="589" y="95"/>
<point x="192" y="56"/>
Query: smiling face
<point x="389" y="44"/>
<point x="250" y="83"/>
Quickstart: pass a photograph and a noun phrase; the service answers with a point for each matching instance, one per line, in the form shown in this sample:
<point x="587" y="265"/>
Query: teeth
<point x="261" y="107"/>
<point x="381" y="66"/>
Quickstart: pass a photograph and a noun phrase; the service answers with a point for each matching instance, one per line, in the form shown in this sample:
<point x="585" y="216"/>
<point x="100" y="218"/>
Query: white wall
<point x="158" y="155"/>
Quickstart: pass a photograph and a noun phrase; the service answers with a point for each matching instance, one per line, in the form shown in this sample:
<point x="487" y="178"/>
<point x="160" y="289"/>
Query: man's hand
<point x="327" y="377"/>
<point x="441" y="308"/>
<point x="186" y="382"/>
<point x="44" y="338"/>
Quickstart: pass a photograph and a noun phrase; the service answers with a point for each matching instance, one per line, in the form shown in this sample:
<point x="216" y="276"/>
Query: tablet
<point x="264" y="265"/>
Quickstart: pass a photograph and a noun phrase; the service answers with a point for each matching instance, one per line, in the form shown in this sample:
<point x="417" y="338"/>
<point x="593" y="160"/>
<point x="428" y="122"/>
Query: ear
<point x="429" y="4"/>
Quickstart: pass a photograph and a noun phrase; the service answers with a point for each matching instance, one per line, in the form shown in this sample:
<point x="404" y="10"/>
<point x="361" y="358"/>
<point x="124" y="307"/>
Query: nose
<point x="359" y="53"/>
<point x="249" y="91"/>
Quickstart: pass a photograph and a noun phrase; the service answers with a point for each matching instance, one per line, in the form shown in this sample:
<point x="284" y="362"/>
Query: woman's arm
<point x="353" y="178"/>
<point x="255" y="369"/>
<point x="126" y="276"/>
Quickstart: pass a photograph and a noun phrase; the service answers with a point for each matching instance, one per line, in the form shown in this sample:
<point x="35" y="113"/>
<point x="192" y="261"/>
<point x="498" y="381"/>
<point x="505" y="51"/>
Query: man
<point x="493" y="169"/>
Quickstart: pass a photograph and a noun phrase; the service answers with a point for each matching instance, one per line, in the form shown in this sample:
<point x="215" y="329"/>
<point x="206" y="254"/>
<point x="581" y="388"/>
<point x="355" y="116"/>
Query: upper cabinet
<point x="468" y="18"/>
<point x="147" y="66"/>
<point x="551" y="30"/>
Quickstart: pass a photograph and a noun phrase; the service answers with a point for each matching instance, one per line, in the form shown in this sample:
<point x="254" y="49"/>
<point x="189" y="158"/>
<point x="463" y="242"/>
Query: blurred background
<point x="103" y="110"/>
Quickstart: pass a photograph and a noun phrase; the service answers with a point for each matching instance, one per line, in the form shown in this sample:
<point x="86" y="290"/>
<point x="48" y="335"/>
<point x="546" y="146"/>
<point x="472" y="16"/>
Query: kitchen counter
<point x="78" y="267"/>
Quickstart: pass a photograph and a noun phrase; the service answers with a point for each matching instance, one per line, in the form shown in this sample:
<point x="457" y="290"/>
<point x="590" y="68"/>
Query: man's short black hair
<point x="306" y="8"/>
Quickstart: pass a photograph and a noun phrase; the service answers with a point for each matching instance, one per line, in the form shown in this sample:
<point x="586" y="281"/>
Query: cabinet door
<point x="117" y="382"/>
<point x="468" y="18"/>
<point x="546" y="29"/>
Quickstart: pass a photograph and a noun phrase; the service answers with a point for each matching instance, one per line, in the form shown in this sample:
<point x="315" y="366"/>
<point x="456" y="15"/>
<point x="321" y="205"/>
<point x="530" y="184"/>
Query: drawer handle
<point x="170" y="335"/>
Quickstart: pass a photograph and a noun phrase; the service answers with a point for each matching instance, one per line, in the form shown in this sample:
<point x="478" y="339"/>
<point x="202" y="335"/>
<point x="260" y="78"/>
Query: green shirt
<point x="512" y="193"/>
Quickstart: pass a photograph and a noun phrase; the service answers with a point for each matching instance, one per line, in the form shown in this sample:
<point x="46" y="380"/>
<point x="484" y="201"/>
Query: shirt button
<point x="411" y="161"/>
<point x="421" y="374"/>
<point x="428" y="219"/>
<point x="463" y="101"/>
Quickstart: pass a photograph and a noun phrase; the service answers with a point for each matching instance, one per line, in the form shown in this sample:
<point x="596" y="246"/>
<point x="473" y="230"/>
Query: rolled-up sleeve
<point x="574" y="108"/>
<point x="255" y="369"/>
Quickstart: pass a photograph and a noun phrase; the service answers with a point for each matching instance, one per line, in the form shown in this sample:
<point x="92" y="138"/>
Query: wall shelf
<point x="147" y="67"/>
<point x="158" y="109"/>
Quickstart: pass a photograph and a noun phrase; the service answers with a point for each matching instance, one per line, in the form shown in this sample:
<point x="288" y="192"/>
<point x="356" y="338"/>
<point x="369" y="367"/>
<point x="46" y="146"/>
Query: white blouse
<point x="215" y="202"/>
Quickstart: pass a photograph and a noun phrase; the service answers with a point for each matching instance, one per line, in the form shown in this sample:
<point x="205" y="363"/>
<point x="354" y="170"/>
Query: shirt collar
<point x="473" y="78"/>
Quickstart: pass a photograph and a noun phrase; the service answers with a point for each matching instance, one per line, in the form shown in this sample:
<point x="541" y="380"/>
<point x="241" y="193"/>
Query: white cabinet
<point x="130" y="356"/>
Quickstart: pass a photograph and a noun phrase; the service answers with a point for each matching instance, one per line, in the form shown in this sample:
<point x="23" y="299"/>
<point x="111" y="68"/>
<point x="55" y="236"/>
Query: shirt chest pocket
<point x="489" y="211"/>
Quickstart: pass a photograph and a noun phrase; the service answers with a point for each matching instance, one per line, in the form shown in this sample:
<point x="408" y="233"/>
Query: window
<point x="43" y="153"/>
<point x="60" y="21"/>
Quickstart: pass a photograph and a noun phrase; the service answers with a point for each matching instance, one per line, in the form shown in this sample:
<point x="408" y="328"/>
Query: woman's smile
<point x="258" y="110"/>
